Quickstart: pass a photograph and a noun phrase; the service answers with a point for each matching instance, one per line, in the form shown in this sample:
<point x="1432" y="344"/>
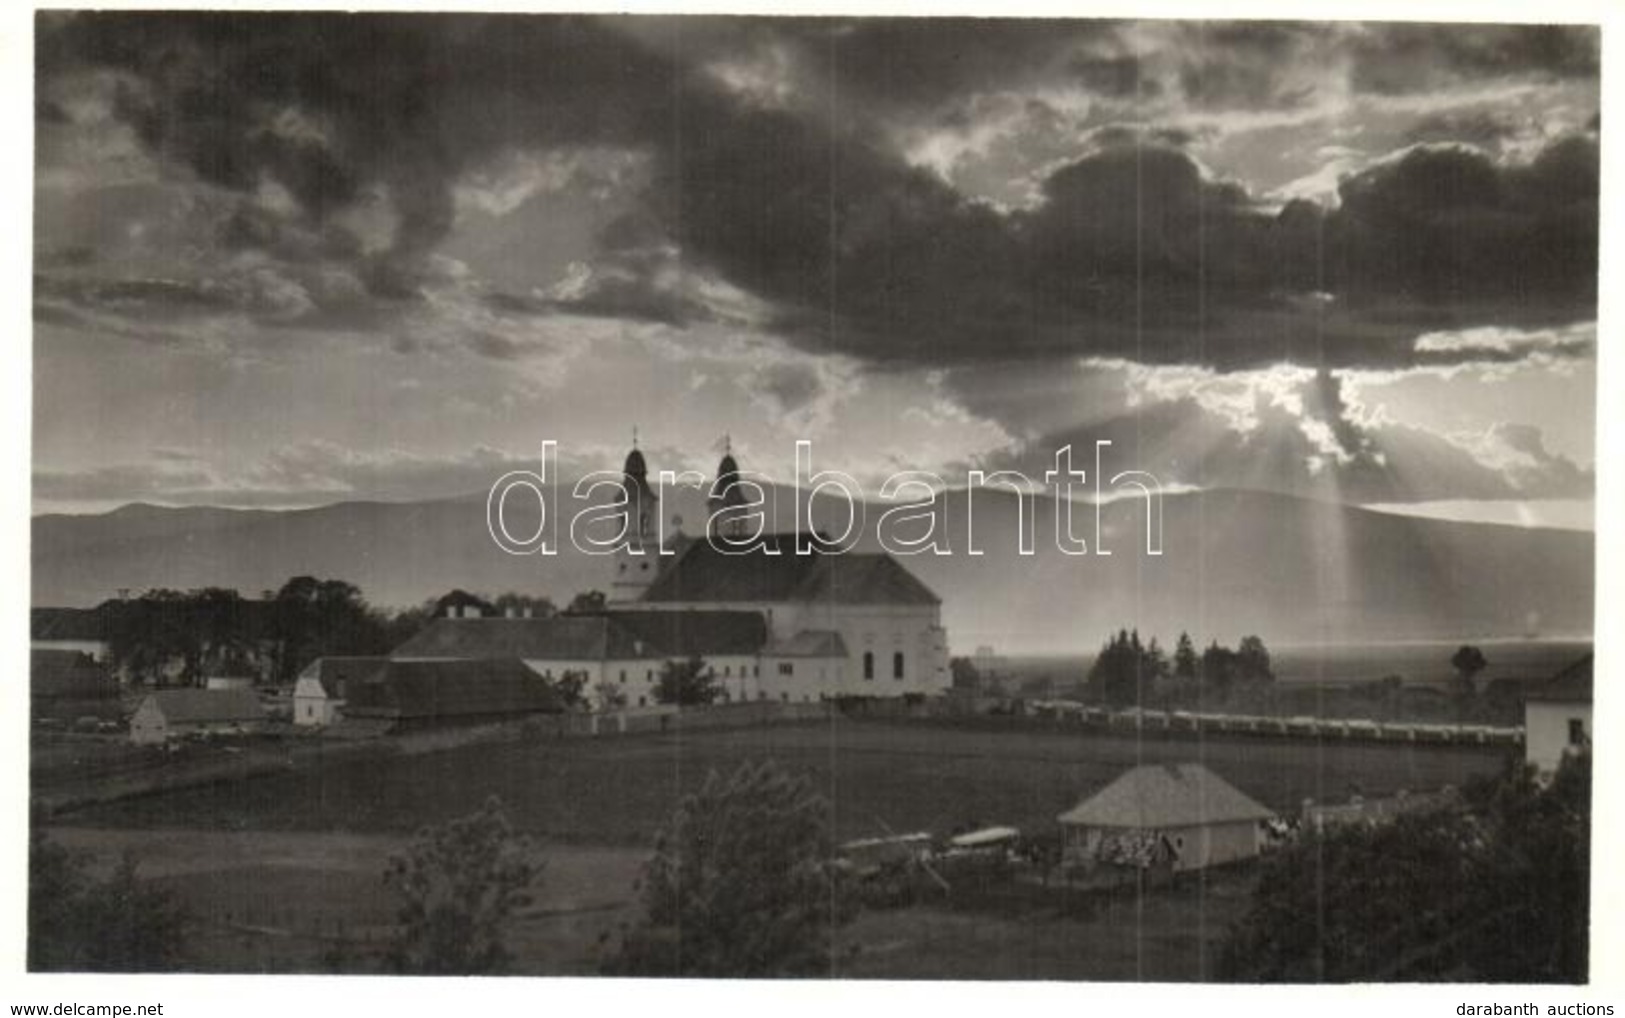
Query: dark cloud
<point x="1245" y="65"/>
<point x="1402" y="58"/>
<point x="1132" y="251"/>
<point x="326" y="104"/>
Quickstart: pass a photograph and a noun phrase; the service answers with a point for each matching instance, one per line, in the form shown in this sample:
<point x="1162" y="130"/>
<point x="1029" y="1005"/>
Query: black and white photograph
<point x="818" y="496"/>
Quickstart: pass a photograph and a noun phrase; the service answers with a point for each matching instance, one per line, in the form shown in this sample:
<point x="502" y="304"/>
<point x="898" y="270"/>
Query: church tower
<point x="725" y="493"/>
<point x="638" y="560"/>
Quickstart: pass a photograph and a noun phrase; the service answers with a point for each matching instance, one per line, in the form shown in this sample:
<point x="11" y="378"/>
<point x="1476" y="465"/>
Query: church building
<point x="772" y="622"/>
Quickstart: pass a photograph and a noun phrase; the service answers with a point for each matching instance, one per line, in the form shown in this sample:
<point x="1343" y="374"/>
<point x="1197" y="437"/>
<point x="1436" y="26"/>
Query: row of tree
<point x="1129" y="671"/>
<point x="173" y="636"/>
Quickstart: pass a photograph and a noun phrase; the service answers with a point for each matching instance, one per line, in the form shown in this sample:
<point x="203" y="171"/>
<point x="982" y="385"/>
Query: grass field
<point x="281" y="867"/>
<point x="618" y="791"/>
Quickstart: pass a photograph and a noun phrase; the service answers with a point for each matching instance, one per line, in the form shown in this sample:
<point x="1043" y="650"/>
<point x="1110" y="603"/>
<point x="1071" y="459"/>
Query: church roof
<point x="635" y="466"/>
<point x="694" y="633"/>
<point x="773" y="572"/>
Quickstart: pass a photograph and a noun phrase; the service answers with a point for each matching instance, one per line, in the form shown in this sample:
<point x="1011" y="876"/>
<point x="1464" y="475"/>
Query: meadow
<point x="284" y="871"/>
<point x="877" y="776"/>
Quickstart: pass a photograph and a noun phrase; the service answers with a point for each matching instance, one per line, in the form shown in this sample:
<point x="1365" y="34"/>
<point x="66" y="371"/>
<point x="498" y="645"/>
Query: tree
<point x="1497" y="890"/>
<point x="740" y="884"/>
<point x="587" y="602"/>
<point x="965" y="674"/>
<point x="459" y="885"/>
<point x="539" y="607"/>
<point x="1185" y="663"/>
<point x="77" y="924"/>
<point x="314" y="618"/>
<point x="1126" y="670"/>
<point x="609" y="696"/>
<point x="1468" y="662"/>
<point x="1219" y="670"/>
<point x="687" y="683"/>
<point x="571" y="687"/>
<point x="1253" y="660"/>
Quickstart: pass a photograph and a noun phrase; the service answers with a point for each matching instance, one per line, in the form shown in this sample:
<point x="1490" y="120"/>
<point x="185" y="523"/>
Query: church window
<point x="868" y="664"/>
<point x="897" y="665"/>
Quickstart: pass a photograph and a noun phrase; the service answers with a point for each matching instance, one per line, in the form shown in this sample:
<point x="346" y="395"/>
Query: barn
<point x="1182" y="816"/>
<point x="406" y="695"/>
<point x="175" y="713"/>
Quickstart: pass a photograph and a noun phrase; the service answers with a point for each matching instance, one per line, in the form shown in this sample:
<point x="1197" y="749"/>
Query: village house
<point x="70" y="684"/>
<point x="176" y="713"/>
<point x="319" y="691"/>
<point x="1177" y="816"/>
<point x="1557" y="718"/>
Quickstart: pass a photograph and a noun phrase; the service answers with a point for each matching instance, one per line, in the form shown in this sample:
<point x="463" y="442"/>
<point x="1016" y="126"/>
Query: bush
<point x="1494" y="892"/>
<point x="740" y="884"/>
<point x="460" y="884"/>
<point x="77" y="924"/>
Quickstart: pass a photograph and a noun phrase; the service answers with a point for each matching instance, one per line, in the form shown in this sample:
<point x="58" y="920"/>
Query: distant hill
<point x="1233" y="562"/>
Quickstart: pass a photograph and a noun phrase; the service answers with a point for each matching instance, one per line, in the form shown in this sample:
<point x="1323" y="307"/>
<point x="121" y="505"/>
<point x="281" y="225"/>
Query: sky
<point x="288" y="260"/>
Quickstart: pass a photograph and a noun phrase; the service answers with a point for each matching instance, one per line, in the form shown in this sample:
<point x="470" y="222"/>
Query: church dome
<point x="635" y="467"/>
<point x="726" y="484"/>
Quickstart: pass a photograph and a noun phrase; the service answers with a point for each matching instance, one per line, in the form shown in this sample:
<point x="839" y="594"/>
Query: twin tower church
<point x="774" y="618"/>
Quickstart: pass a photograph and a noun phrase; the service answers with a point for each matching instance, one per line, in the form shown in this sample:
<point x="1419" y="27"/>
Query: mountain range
<point x="1232" y="562"/>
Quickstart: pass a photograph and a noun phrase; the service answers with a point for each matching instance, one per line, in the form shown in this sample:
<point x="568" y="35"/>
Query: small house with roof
<point x="176" y="713"/>
<point x="1557" y="717"/>
<point x="69" y="684"/>
<point x="320" y="690"/>
<point x="1178" y="816"/>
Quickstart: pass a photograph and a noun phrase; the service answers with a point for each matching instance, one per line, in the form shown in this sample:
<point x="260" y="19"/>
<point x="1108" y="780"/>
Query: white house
<point x="1557" y="717"/>
<point x="319" y="692"/>
<point x="174" y="713"/>
<point x="1183" y="816"/>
